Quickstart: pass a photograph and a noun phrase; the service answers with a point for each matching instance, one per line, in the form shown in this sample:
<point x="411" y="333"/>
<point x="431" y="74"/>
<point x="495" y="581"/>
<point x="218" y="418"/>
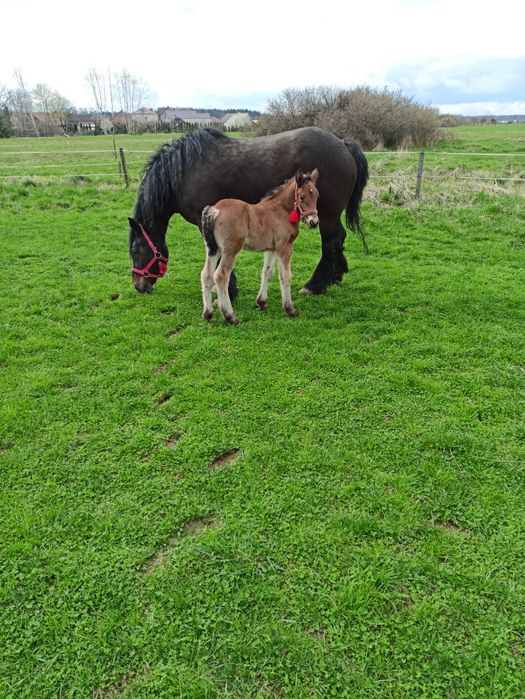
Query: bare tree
<point x="5" y="121"/>
<point x="102" y="87"/>
<point x="21" y="108"/>
<point x="121" y="90"/>
<point x="54" y="105"/>
<point x="131" y="92"/>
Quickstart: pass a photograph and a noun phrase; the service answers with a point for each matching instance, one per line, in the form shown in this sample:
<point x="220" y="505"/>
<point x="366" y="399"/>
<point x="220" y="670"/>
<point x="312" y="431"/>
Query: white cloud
<point x="192" y="50"/>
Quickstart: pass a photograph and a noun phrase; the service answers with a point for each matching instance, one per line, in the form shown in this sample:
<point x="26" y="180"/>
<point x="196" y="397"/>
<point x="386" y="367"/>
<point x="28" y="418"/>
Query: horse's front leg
<point x="285" y="277"/>
<point x="266" y="275"/>
<point x="332" y="264"/>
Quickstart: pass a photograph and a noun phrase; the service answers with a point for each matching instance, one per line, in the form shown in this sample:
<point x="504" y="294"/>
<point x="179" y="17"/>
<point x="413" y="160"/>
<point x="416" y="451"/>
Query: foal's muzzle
<point x="312" y="222"/>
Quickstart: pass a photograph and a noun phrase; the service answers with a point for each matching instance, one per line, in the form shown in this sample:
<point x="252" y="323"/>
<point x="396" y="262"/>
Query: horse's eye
<point x="301" y="197"/>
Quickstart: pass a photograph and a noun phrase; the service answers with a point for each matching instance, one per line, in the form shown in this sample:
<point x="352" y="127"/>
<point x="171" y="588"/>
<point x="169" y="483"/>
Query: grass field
<point x="327" y="506"/>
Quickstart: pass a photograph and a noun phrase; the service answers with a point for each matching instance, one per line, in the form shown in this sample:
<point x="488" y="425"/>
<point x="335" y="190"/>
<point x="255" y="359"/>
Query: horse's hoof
<point x="262" y="305"/>
<point x="207" y="315"/>
<point x="292" y="312"/>
<point x="306" y="291"/>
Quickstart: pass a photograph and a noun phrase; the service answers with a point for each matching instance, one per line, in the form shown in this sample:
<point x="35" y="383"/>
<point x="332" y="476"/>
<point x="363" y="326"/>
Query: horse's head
<point x="149" y="257"/>
<point x="306" y="196"/>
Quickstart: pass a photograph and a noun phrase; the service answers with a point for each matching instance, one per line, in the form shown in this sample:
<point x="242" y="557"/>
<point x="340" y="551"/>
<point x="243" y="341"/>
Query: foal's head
<point x="306" y="196"/>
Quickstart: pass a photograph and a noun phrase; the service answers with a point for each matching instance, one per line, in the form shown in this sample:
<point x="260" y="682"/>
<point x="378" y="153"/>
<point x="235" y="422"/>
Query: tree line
<point x="378" y="118"/>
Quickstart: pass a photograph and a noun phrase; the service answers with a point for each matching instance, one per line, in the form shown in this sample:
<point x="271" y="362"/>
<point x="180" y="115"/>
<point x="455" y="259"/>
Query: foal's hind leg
<point x="207" y="283"/>
<point x="266" y="275"/>
<point x="285" y="277"/>
<point x="221" y="279"/>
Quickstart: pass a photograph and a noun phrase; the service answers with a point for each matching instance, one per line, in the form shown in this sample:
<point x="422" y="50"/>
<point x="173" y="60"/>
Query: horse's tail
<point x="209" y="216"/>
<point x="353" y="215"/>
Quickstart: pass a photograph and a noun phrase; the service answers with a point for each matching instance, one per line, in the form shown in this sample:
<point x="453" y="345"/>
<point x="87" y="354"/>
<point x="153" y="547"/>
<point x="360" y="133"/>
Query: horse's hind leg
<point x="285" y="277"/>
<point x="332" y="264"/>
<point x="221" y="279"/>
<point x="266" y="275"/>
<point x="207" y="283"/>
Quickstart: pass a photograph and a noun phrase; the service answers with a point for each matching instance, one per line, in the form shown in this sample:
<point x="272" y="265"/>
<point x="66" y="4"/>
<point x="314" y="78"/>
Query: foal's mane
<point x="164" y="172"/>
<point x="277" y="190"/>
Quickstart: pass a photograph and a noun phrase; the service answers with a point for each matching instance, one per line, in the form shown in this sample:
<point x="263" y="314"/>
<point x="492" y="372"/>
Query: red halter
<point x="157" y="257"/>
<point x="298" y="209"/>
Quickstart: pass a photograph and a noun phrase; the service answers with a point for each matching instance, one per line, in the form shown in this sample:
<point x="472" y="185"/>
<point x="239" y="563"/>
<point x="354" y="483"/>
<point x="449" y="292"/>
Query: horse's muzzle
<point x="143" y="284"/>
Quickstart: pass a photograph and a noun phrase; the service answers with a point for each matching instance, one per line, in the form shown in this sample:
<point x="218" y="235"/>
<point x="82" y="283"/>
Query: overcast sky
<point x="464" y="56"/>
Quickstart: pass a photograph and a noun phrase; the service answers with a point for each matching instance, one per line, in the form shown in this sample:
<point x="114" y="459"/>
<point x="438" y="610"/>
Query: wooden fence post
<point x="115" y="148"/>
<point x="124" y="167"/>
<point x="419" y="176"/>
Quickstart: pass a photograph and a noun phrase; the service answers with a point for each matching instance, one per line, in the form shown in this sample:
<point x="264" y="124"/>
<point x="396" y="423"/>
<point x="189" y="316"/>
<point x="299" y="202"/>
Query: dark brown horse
<point x="203" y="167"/>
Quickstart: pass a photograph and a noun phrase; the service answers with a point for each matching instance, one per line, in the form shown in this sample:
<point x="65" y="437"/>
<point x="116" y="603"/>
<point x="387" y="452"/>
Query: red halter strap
<point x="157" y="257"/>
<point x="297" y="206"/>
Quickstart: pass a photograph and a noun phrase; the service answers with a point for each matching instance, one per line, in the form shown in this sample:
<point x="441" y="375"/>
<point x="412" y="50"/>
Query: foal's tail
<point x="353" y="215"/>
<point x="209" y="216"/>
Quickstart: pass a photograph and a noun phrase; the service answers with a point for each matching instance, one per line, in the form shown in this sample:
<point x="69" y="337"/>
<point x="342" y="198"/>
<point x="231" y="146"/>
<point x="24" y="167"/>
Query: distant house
<point x="48" y="123"/>
<point x="144" y="115"/>
<point x="81" y="122"/>
<point x="190" y="117"/>
<point x="238" y="120"/>
<point x="120" y="121"/>
<point x="167" y="115"/>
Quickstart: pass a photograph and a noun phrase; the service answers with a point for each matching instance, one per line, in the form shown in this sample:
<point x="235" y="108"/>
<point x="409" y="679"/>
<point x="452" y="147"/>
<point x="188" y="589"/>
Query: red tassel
<point x="294" y="216"/>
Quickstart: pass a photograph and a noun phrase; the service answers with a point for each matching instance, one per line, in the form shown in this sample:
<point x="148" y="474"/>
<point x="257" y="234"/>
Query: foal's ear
<point x="314" y="175"/>
<point x="299" y="177"/>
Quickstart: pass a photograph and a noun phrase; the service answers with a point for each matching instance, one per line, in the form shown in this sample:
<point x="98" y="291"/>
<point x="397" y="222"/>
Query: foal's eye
<point x="301" y="197"/>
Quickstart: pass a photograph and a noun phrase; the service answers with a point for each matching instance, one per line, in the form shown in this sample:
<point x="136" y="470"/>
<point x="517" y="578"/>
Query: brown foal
<point x="271" y="226"/>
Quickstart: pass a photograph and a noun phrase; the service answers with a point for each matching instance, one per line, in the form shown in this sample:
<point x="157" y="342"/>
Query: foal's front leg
<point x="266" y="275"/>
<point x="285" y="277"/>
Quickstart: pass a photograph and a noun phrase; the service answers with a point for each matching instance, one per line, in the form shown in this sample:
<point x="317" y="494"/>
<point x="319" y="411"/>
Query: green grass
<point x="366" y="539"/>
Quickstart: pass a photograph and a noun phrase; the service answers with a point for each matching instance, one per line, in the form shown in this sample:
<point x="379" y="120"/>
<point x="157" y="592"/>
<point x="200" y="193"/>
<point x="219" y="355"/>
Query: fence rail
<point x="118" y="162"/>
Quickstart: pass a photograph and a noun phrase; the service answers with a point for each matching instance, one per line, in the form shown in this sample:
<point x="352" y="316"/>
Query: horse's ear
<point x="134" y="225"/>
<point x="314" y="175"/>
<point x="299" y="177"/>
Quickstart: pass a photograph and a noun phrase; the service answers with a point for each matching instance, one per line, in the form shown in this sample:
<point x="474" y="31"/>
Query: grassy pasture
<point x="329" y="506"/>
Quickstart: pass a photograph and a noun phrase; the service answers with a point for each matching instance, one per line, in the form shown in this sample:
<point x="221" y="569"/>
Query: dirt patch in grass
<point x="172" y="441"/>
<point x="228" y="458"/>
<point x="163" y="399"/>
<point x="189" y="528"/>
<point x="176" y="331"/>
<point x="451" y="526"/>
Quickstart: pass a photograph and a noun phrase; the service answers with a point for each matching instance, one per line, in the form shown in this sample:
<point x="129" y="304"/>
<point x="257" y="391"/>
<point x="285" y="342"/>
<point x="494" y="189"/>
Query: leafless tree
<point x="121" y="90"/>
<point x="131" y="93"/>
<point x="102" y="85"/>
<point x="53" y="104"/>
<point x="21" y="108"/>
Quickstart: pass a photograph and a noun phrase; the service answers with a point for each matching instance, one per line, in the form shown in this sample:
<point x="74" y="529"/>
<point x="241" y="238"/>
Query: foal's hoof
<point x="263" y="305"/>
<point x="207" y="315"/>
<point x="292" y="312"/>
<point x="306" y="291"/>
<point x="231" y="320"/>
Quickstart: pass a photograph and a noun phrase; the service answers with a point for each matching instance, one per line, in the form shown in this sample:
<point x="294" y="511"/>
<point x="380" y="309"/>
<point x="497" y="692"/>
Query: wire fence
<point x="116" y="166"/>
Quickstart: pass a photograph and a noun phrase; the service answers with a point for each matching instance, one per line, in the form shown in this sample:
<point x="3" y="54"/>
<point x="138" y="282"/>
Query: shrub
<point x="377" y="118"/>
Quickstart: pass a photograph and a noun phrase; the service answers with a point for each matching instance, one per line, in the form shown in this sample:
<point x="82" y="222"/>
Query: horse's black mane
<point x="163" y="173"/>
